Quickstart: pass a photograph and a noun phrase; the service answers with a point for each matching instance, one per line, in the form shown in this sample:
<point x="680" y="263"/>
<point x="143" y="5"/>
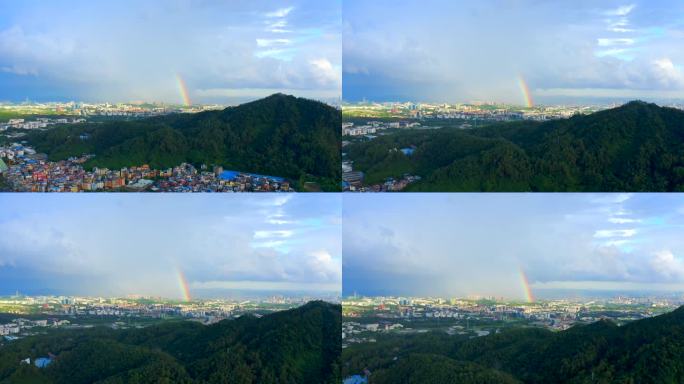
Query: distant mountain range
<point x="301" y="345"/>
<point x="279" y="135"/>
<point x="644" y="351"/>
<point x="635" y="147"/>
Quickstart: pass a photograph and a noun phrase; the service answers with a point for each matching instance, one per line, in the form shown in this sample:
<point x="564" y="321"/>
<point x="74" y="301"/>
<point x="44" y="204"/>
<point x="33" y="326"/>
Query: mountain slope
<point x="279" y="135"/>
<point x="635" y="147"/>
<point x="644" y="351"/>
<point x="435" y="369"/>
<point x="301" y="345"/>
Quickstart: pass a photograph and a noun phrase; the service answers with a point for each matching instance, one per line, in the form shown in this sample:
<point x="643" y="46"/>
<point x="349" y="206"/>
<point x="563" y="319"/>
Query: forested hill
<point x="635" y="147"/>
<point x="301" y="345"/>
<point x="279" y="135"/>
<point x="644" y="351"/>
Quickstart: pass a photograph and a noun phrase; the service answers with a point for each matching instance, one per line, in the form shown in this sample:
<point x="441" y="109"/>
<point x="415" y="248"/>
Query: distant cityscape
<point x="367" y="317"/>
<point x="30" y="315"/>
<point x="468" y="112"/>
<point x="89" y="110"/>
<point x="476" y="111"/>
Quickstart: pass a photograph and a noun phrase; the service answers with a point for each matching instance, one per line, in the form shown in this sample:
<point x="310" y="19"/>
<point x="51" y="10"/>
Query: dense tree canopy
<point x="301" y="345"/>
<point x="635" y="147"/>
<point x="280" y="136"/>
<point x="643" y="351"/>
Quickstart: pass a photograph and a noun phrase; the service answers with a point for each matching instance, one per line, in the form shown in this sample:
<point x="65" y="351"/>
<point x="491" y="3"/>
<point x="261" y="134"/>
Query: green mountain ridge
<point x="279" y="135"/>
<point x="643" y="351"/>
<point x="635" y="147"/>
<point x="300" y="345"/>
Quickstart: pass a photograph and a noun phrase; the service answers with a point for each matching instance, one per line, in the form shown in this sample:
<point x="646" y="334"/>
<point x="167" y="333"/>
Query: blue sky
<point x="456" y="51"/>
<point x="477" y="244"/>
<point x="226" y="51"/>
<point x="118" y="244"/>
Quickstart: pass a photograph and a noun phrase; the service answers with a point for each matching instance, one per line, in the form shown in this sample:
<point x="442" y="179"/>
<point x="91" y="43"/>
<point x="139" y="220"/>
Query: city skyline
<point x="181" y="51"/>
<point x="512" y="245"/>
<point x="168" y="245"/>
<point x="522" y="52"/>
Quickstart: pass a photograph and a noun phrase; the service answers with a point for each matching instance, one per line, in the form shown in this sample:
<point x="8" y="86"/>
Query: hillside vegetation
<point x="301" y="345"/>
<point x="644" y="351"/>
<point x="635" y="147"/>
<point x="280" y="135"/>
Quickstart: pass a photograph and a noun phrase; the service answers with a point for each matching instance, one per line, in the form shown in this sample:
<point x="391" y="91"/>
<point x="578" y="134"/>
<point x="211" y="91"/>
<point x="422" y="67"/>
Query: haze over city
<point x="174" y="246"/>
<point x="519" y="52"/>
<point x="498" y="245"/>
<point x="179" y="51"/>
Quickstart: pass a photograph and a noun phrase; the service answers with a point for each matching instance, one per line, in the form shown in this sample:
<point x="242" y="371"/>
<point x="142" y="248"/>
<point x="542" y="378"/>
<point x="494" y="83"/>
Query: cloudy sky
<point x="566" y="51"/>
<point x="117" y="244"/>
<point x="134" y="50"/>
<point x="478" y="244"/>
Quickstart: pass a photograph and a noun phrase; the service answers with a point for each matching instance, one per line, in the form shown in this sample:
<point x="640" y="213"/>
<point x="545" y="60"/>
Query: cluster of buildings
<point x="72" y="108"/>
<point x="372" y="127"/>
<point x="81" y="310"/>
<point x="390" y="184"/>
<point x="354" y="181"/>
<point x="551" y="314"/>
<point x="476" y="111"/>
<point x="27" y="170"/>
<point x="38" y="123"/>
<point x="21" y="326"/>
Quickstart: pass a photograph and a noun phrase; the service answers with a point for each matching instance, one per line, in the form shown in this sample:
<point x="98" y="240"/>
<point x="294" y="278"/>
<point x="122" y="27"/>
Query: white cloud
<point x="619" y="220"/>
<point x="621" y="11"/>
<point x="96" y="53"/>
<point x="667" y="73"/>
<point x="611" y="198"/>
<point x="69" y="245"/>
<point x="273" y="234"/>
<point x="665" y="263"/>
<point x="19" y="70"/>
<point x="616" y="243"/>
<point x="249" y="285"/>
<point x="608" y="42"/>
<point x="570" y="53"/>
<point x="325" y="266"/>
<point x="272" y="42"/>
<point x="278" y="222"/>
<point x="620" y="29"/>
<point x="325" y="72"/>
<point x="605" y="233"/>
<point x="282" y="12"/>
<point x="278" y="26"/>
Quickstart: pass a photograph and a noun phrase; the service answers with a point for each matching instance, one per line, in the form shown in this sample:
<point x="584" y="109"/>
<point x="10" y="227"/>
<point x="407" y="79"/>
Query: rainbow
<point x="183" y="284"/>
<point x="526" y="287"/>
<point x="525" y="91"/>
<point x="183" y="90"/>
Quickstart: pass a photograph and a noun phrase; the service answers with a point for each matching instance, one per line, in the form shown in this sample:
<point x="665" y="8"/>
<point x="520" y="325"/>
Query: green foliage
<point x="636" y="147"/>
<point x="644" y="351"/>
<point x="4" y="185"/>
<point x="279" y="135"/>
<point x="301" y="345"/>
<point x="435" y="369"/>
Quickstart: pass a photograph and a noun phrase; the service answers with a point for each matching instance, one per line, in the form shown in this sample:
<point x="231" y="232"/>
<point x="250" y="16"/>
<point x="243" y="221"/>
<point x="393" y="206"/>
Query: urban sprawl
<point x="26" y="170"/>
<point x="366" y="317"/>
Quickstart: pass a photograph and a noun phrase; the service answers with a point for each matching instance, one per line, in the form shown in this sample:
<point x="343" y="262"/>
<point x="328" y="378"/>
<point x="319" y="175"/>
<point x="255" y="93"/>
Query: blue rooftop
<point x="356" y="379"/>
<point x="43" y="362"/>
<point x="232" y="175"/>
